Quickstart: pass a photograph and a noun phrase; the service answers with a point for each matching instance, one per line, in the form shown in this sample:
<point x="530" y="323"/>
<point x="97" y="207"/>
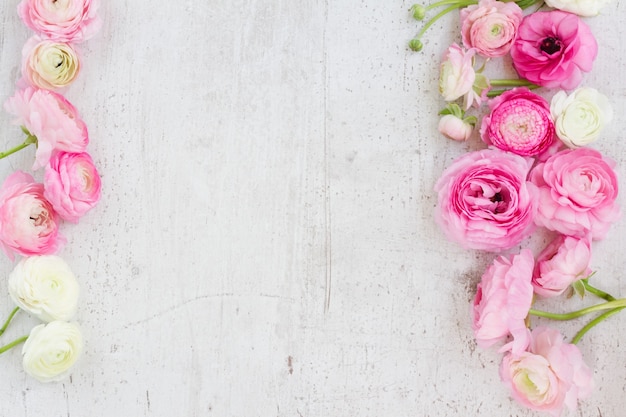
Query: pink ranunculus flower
<point x="565" y="260"/>
<point x="503" y="298"/>
<point x="455" y="128"/>
<point x="490" y="26"/>
<point x="65" y="21"/>
<point x="49" y="64"/>
<point x="519" y="122"/>
<point x="72" y="184"/>
<point x="28" y="223"/>
<point x="577" y="193"/>
<point x="457" y="74"/>
<point x="485" y="201"/>
<point x="553" y="49"/>
<point x="549" y="376"/>
<point x="52" y="119"/>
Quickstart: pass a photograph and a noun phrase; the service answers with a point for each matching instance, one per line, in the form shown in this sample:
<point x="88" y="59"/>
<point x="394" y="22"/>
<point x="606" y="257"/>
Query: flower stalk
<point x="6" y="323"/>
<point x="30" y="139"/>
<point x="14" y="343"/>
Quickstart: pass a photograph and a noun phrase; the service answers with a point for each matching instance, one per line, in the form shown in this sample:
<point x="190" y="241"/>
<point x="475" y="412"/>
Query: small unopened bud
<point x="416" y="45"/>
<point x="418" y="11"/>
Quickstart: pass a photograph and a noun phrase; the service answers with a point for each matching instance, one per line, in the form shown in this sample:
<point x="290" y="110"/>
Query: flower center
<point x="551" y="45"/>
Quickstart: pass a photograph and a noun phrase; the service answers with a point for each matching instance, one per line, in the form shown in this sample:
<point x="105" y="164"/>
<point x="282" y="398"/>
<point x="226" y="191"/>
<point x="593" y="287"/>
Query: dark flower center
<point x="551" y="45"/>
<point x="497" y="197"/>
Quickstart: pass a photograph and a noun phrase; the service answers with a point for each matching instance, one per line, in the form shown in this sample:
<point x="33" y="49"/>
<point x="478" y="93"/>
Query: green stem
<point x="446" y="2"/>
<point x="455" y="5"/>
<point x="13" y="344"/>
<point x="496" y="93"/>
<point x="6" y="323"/>
<point x="574" y="314"/>
<point x="597" y="292"/>
<point x="30" y="139"/>
<point x="595" y="321"/>
<point x="515" y="82"/>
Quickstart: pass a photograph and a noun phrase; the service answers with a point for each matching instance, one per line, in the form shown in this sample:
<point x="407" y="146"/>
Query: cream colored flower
<point x="45" y="287"/>
<point x="51" y="350"/>
<point x="580" y="117"/>
<point x="579" y="7"/>
<point x="48" y="64"/>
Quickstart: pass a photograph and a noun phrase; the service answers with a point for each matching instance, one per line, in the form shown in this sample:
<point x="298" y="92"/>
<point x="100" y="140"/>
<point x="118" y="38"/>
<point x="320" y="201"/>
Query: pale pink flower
<point x="72" y="184"/>
<point x="503" y="298"/>
<point x="49" y="64"/>
<point x="565" y="260"/>
<point x="577" y="193"/>
<point x="485" y="201"/>
<point x="490" y="26"/>
<point x="455" y="128"/>
<point x="519" y="122"/>
<point x="61" y="20"/>
<point x="28" y="223"/>
<point x="457" y="74"/>
<point x="549" y="376"/>
<point x="553" y="49"/>
<point x="52" y="119"/>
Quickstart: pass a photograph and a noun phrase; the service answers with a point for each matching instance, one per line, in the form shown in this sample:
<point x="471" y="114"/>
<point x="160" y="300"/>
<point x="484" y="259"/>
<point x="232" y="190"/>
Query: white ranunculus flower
<point x="49" y="65"/>
<point x="51" y="350"/>
<point x="580" y="117"/>
<point x="579" y="7"/>
<point x="45" y="287"/>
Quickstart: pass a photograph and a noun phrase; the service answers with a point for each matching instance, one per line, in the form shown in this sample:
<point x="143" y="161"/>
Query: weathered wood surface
<point x="265" y="243"/>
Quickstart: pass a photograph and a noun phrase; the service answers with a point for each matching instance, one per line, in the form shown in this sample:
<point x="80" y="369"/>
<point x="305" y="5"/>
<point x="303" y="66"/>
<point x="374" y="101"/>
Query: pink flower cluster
<point x="30" y="211"/>
<point x="531" y="175"/>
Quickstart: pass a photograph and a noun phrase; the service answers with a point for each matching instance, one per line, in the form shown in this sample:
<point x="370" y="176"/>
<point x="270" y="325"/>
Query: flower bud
<point x="455" y="128"/>
<point x="416" y="45"/>
<point x="418" y="11"/>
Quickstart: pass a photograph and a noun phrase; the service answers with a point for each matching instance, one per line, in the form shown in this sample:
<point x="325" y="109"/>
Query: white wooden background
<point x="265" y="243"/>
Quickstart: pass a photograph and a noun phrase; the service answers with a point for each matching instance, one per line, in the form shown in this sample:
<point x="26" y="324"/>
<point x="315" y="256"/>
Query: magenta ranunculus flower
<point x="503" y="299"/>
<point x="577" y="193"/>
<point x="65" y="21"/>
<point x="519" y="122"/>
<point x="490" y="26"/>
<point x="553" y="49"/>
<point x="28" y="223"/>
<point x="52" y="119"/>
<point x="565" y="260"/>
<point x="549" y="376"/>
<point x="485" y="201"/>
<point x="72" y="184"/>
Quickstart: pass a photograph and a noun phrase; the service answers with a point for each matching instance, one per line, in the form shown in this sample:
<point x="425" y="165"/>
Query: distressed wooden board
<point x="265" y="243"/>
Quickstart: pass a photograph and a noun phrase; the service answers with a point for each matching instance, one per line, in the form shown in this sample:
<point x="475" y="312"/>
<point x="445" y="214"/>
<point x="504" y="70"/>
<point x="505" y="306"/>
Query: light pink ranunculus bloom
<point x="485" y="201"/>
<point x="503" y="299"/>
<point x="455" y="128"/>
<point x="61" y="20"/>
<point x="549" y="376"/>
<point x="577" y="193"/>
<point x="49" y="64"/>
<point x="28" y="223"/>
<point x="565" y="260"/>
<point x="554" y="49"/>
<point x="72" y="184"/>
<point x="457" y="74"/>
<point x="52" y="119"/>
<point x="519" y="122"/>
<point x="490" y="26"/>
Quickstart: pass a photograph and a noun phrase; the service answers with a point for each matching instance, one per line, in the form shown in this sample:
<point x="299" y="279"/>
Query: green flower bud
<point x="416" y="45"/>
<point x="418" y="11"/>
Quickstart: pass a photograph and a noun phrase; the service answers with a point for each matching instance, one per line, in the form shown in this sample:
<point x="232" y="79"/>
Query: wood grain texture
<point x="265" y="244"/>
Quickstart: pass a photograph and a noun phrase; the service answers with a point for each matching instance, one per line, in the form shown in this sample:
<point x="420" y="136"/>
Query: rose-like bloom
<point x="455" y="128"/>
<point x="72" y="184"/>
<point x="553" y="49"/>
<point x="45" y="287"/>
<point x="549" y="376"/>
<point x="565" y="260"/>
<point x="503" y="298"/>
<point x="28" y="223"/>
<point x="52" y="119"/>
<point x="490" y="26"/>
<point x="580" y="117"/>
<point x="48" y="64"/>
<point x="61" y="20"/>
<point x="485" y="201"/>
<point x="579" y="7"/>
<point x="577" y="193"/>
<point x="457" y="74"/>
<point x="51" y="350"/>
<point x="519" y="122"/>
